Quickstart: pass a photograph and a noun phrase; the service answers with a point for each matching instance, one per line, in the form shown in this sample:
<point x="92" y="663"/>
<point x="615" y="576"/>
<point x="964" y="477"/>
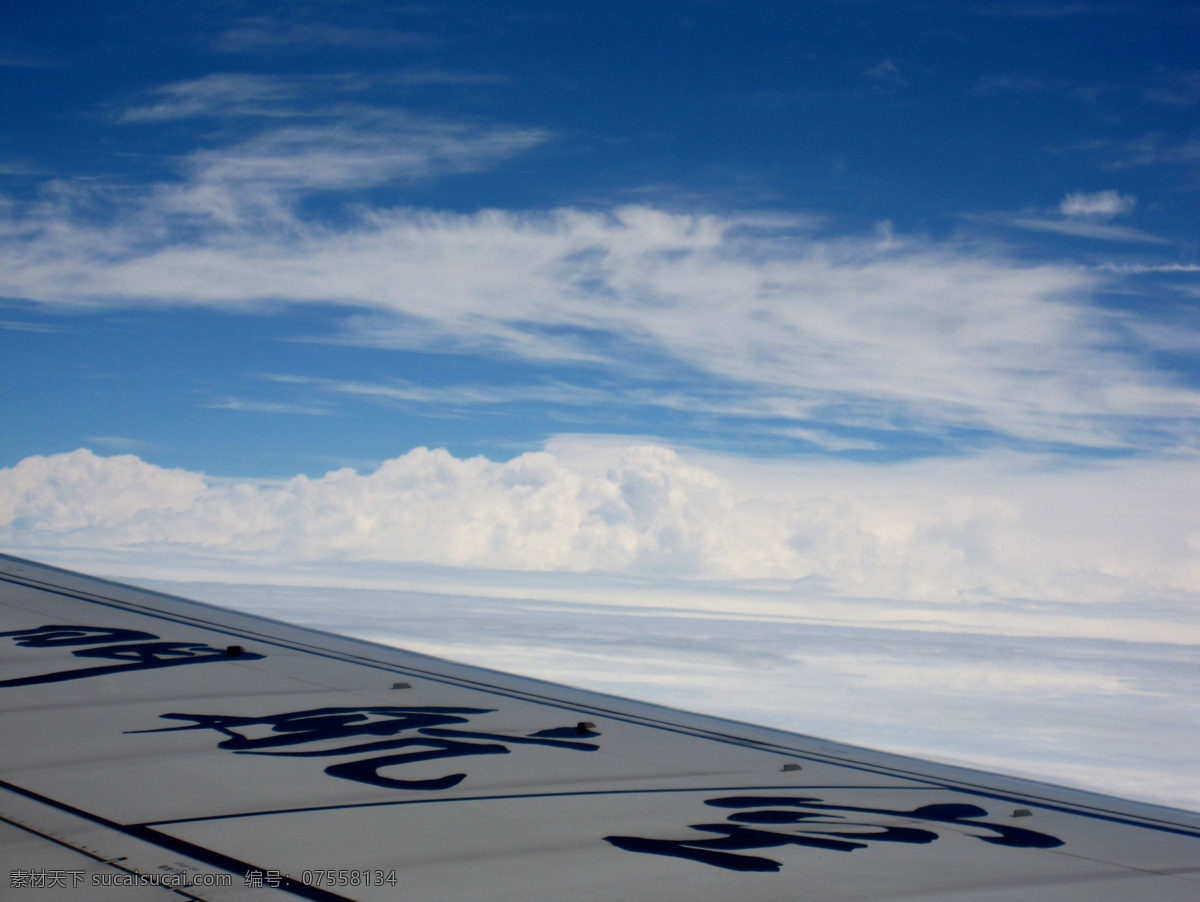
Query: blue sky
<point x="873" y="318"/>
<point x="1046" y="150"/>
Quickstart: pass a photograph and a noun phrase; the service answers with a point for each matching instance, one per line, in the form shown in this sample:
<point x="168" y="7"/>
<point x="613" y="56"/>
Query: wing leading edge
<point x="153" y="745"/>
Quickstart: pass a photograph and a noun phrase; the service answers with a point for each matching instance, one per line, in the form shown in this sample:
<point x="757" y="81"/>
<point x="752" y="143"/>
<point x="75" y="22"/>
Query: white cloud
<point x="930" y="334"/>
<point x="530" y="513"/>
<point x="828" y="440"/>
<point x="1175" y="88"/>
<point x="1084" y="216"/>
<point x="266" y="407"/>
<point x="1063" y="605"/>
<point x="369" y="152"/>
<point x="12" y="325"/>
<point x="920" y="605"/>
<point x="80" y="491"/>
<point x="1153" y="149"/>
<point x="339" y="99"/>
<point x="938" y="532"/>
<point x="458" y="395"/>
<point x="1084" y="228"/>
<point x="261" y="33"/>
<point x="867" y="330"/>
<point x="219" y="94"/>
<point x="1151" y="267"/>
<point x="307" y="133"/>
<point x="1100" y="205"/>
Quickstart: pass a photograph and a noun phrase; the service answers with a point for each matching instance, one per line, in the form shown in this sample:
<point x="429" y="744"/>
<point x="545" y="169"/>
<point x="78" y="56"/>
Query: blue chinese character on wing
<point x="129" y="649"/>
<point x="810" y="822"/>
<point x="420" y="734"/>
<point x="55" y="636"/>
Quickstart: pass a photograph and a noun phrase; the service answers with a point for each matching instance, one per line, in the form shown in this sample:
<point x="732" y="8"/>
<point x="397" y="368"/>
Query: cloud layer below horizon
<point x="937" y="532"/>
<point x="1113" y="715"/>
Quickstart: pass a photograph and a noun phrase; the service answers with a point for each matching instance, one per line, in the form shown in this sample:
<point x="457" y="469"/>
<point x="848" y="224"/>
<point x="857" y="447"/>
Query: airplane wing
<point x="154" y="747"/>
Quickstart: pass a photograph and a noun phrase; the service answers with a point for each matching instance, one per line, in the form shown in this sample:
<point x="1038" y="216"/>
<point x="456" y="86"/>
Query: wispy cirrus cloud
<point x="1083" y="215"/>
<point x="828" y="440"/>
<point x="219" y="94"/>
<point x="768" y="315"/>
<point x="1150" y="267"/>
<point x="262" y="33"/>
<point x="295" y="135"/>
<point x="313" y="133"/>
<point x="365" y="151"/>
<point x="255" y="406"/>
<point x="403" y="391"/>
<point x="14" y="325"/>
<point x="902" y="330"/>
<point x="1174" y="88"/>
<point x="303" y="98"/>
<point x="1153" y="149"/>
<point x="1083" y="229"/>
<point x="734" y="404"/>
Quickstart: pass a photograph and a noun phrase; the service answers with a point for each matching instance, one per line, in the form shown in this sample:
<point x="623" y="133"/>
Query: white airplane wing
<point x="155" y="747"/>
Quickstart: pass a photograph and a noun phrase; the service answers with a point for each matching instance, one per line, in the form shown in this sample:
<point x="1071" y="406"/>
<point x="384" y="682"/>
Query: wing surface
<point x="153" y="747"/>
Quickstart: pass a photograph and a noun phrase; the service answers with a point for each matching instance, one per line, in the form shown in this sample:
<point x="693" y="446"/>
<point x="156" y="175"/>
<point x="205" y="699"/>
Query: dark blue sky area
<point x="910" y="112"/>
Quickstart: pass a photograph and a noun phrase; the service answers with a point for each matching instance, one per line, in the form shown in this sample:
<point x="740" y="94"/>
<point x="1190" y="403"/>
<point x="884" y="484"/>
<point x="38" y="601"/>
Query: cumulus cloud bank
<point x="651" y="511"/>
<point x="940" y="533"/>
